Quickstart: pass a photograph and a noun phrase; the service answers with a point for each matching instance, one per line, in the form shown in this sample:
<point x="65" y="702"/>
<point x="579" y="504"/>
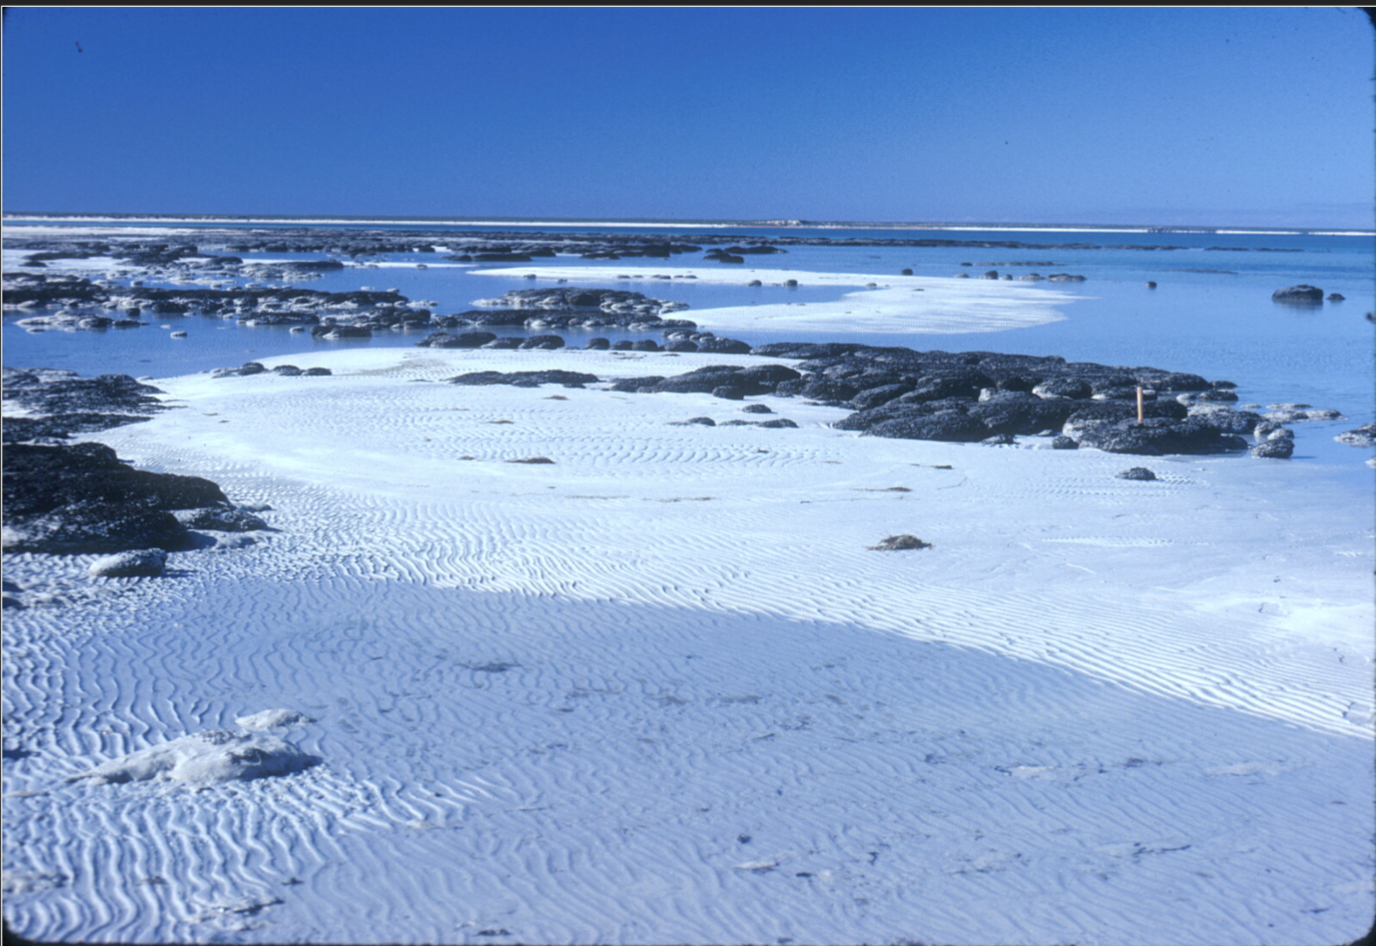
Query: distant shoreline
<point x="308" y="220"/>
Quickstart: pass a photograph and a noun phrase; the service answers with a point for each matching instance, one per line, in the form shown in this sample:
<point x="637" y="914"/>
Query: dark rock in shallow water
<point x="723" y="346"/>
<point x="1158" y="435"/>
<point x="544" y="342"/>
<point x="247" y="368"/>
<point x="704" y="380"/>
<point x="702" y="421"/>
<point x="1281" y="448"/>
<point x="951" y="426"/>
<point x="730" y="392"/>
<point x="873" y="397"/>
<point x="524" y="378"/>
<point x="805" y="350"/>
<point x="1124" y="410"/>
<point x="317" y="372"/>
<point x="1302" y="295"/>
<point x="1364" y="436"/>
<point x="1336" y="297"/>
<point x="1071" y="388"/>
<point x="633" y="385"/>
<point x="757" y="409"/>
<point x="464" y="340"/>
<point x="1062" y="442"/>
<point x="1226" y="419"/>
<point x="778" y="422"/>
<point x="1136" y="473"/>
<point x="598" y="344"/>
<point x="1017" y="413"/>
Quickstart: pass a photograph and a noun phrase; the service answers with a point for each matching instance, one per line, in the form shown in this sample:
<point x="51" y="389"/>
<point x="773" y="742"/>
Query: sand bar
<point x="897" y="304"/>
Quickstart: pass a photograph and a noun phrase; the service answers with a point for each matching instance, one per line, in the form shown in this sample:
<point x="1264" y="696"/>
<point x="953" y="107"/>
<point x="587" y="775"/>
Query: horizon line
<point x="777" y="223"/>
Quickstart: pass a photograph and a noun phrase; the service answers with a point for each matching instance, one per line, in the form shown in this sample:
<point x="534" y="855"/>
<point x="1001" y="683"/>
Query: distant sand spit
<point x="895" y="304"/>
<point x="661" y="690"/>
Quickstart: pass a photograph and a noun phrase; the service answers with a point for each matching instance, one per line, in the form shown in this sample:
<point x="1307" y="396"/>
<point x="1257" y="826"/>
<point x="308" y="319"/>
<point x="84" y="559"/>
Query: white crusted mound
<point x="141" y="563"/>
<point x="216" y="756"/>
<point x="273" y="719"/>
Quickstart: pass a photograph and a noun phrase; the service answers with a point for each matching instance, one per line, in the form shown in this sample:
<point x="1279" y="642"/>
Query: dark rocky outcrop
<point x="462" y="340"/>
<point x="1298" y="295"/>
<point x="1364" y="436"/>
<point x="543" y="342"/>
<point x="634" y="385"/>
<point x="900" y="543"/>
<point x="1157" y="436"/>
<point x="79" y="498"/>
<point x="525" y="378"/>
<point x="1136" y="473"/>
<point x="723" y="346"/>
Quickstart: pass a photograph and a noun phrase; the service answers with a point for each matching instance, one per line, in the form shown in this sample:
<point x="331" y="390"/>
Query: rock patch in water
<point x="1364" y="436"/>
<point x="1298" y="295"/>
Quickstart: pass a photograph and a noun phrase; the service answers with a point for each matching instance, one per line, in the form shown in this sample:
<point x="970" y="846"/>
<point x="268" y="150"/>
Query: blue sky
<point x="1155" y="116"/>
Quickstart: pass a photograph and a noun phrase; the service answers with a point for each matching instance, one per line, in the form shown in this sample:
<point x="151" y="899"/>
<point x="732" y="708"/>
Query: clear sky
<point x="1151" y="116"/>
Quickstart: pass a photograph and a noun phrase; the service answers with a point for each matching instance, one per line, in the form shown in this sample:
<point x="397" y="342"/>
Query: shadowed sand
<point x="662" y="689"/>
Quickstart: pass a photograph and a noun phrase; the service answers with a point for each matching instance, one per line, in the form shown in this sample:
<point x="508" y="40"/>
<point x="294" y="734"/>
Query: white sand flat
<point x="661" y="690"/>
<point x="898" y="304"/>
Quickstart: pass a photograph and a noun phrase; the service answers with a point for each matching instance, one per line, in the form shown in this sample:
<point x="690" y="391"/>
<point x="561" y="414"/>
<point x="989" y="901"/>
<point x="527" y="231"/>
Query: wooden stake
<point x="1139" y="404"/>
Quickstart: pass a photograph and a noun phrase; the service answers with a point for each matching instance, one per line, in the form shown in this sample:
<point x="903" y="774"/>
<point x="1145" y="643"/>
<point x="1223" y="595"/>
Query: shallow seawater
<point x="1210" y="313"/>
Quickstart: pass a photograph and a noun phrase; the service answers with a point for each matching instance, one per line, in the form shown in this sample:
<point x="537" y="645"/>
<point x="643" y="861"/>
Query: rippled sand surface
<point x="661" y="690"/>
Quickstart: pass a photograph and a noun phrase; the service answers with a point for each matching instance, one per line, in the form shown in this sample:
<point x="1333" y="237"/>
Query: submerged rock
<point x="1302" y="294"/>
<point x="1364" y="436"/>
